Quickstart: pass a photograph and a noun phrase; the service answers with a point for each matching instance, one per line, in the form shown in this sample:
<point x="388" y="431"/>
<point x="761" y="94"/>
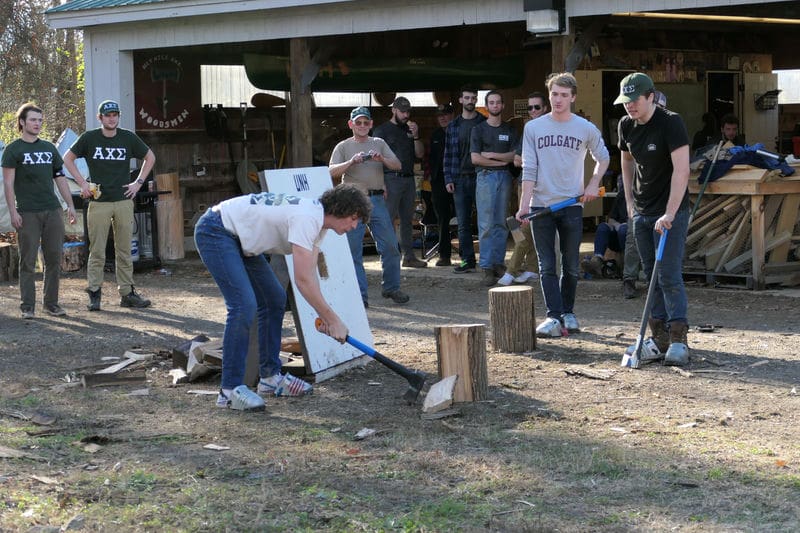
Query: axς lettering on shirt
<point x="565" y="141"/>
<point x="37" y="158"/>
<point x="110" y="154"/>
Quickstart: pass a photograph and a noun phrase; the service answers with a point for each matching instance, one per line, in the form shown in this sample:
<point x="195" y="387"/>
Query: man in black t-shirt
<point x="442" y="200"/>
<point x="402" y="136"/>
<point x="492" y="144"/>
<point x="655" y="172"/>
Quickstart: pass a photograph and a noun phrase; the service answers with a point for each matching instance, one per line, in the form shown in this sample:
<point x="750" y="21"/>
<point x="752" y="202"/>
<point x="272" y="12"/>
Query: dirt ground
<point x="712" y="449"/>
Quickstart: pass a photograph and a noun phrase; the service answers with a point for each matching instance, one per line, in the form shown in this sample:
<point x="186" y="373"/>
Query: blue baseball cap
<point x="107" y="106"/>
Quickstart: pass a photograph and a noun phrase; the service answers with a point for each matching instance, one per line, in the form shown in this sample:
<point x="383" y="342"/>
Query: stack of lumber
<point x="748" y="208"/>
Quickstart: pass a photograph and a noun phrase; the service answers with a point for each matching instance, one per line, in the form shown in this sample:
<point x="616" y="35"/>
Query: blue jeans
<point x="670" y="302"/>
<point x="251" y="291"/>
<point x="492" y="191"/>
<point x="382" y="229"/>
<point x="559" y="294"/>
<point x="608" y="237"/>
<point x="464" y="197"/>
<point x="401" y="196"/>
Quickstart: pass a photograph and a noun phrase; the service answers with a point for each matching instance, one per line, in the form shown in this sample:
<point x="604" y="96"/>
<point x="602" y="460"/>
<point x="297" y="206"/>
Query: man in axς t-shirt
<point x="492" y="145"/>
<point x="108" y="151"/>
<point x="30" y="166"/>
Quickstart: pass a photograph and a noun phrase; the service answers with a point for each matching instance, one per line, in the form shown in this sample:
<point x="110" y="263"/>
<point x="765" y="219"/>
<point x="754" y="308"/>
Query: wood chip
<point x="440" y="414"/>
<point x="603" y="375"/>
<point x="216" y="447"/>
<point x="46" y="480"/>
<point x="681" y="371"/>
<point x="364" y="433"/>
<point x="11" y="453"/>
<point x="759" y="363"/>
<point x="203" y="392"/>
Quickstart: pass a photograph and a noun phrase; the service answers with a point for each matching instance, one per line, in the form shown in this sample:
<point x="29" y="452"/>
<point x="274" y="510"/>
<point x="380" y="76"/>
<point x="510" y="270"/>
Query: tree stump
<point x="74" y="256"/>
<point x="511" y="316"/>
<point x="461" y="351"/>
<point x="9" y="261"/>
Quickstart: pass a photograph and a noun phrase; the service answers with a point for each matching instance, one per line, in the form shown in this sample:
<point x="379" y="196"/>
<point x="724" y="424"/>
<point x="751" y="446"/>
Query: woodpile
<point x="748" y="217"/>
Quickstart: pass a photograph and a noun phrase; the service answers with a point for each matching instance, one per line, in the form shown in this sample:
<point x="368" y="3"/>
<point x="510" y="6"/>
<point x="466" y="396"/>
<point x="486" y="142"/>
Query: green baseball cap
<point x="360" y="112"/>
<point x="633" y="86"/>
<point x="107" y="106"/>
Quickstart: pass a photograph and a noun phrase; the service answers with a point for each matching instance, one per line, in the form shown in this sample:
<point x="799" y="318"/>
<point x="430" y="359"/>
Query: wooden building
<point x="706" y="56"/>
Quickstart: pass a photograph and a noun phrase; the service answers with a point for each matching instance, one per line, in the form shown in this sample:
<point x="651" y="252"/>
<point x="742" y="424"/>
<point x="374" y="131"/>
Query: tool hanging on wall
<point x="246" y="172"/>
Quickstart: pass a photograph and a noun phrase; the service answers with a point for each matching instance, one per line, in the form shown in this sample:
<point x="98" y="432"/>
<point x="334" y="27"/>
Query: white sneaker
<point x="526" y="276"/>
<point x="650" y="351"/>
<point x="506" y="280"/>
<point x="571" y="322"/>
<point x="549" y="328"/>
<point x="243" y="399"/>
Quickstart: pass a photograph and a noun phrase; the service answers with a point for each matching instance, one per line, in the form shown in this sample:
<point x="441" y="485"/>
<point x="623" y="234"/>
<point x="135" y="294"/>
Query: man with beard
<point x="442" y="200"/>
<point x="492" y="145"/>
<point x="459" y="174"/>
<point x="402" y="136"/>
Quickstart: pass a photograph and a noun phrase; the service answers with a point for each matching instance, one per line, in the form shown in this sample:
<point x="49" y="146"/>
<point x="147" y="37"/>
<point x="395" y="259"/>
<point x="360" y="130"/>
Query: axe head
<point x="515" y="228"/>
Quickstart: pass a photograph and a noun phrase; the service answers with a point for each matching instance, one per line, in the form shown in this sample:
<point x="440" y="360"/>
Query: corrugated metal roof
<point x="83" y="5"/>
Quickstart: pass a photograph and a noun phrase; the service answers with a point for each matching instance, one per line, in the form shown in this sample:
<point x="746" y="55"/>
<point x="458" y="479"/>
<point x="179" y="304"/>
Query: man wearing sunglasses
<point x="524" y="265"/>
<point x="360" y="160"/>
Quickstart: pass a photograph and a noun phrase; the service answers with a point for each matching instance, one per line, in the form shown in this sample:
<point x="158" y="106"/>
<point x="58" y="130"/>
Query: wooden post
<point x="511" y="317"/>
<point x="169" y="210"/>
<point x="461" y="351"/>
<point x="301" y="104"/>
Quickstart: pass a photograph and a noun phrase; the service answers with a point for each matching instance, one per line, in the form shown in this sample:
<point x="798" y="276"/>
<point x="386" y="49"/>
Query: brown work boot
<point x="593" y="266"/>
<point x="658" y="330"/>
<point x="413" y="262"/>
<point x="628" y="289"/>
<point x="489" y="277"/>
<point x="678" y="351"/>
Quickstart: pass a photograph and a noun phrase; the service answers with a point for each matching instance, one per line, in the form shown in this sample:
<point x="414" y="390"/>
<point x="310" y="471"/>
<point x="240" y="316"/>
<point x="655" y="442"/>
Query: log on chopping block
<point x="511" y="317"/>
<point x="461" y="351"/>
<point x="9" y="261"/>
<point x="169" y="213"/>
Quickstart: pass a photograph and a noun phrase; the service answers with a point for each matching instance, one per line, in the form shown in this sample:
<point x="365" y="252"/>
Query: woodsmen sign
<point x="167" y="92"/>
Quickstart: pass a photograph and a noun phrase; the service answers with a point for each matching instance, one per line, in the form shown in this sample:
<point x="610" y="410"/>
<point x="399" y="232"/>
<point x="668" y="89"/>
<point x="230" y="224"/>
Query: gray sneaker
<point x="55" y="310"/>
<point x="571" y="322"/>
<point x="549" y="328"/>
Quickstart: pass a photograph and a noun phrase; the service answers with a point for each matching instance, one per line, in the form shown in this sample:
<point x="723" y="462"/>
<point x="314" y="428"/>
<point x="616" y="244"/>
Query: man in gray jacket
<point x="553" y="150"/>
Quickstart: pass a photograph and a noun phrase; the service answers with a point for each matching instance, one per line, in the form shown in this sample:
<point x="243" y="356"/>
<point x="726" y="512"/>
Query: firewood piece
<point x="440" y="395"/>
<point x="511" y="316"/>
<point x="461" y="351"/>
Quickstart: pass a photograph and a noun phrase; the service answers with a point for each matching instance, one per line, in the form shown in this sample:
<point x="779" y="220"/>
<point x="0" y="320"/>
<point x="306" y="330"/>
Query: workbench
<point x="745" y="215"/>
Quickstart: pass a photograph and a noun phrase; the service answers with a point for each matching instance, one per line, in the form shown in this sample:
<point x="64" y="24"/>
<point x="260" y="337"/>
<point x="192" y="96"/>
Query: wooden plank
<point x="107" y="380"/>
<point x="722" y="186"/>
<point x="710" y="204"/>
<point x="771" y="208"/>
<point x="786" y="222"/>
<point x="736" y="262"/>
<point x="759" y="252"/>
<point x="729" y="201"/>
<point x="742" y="233"/>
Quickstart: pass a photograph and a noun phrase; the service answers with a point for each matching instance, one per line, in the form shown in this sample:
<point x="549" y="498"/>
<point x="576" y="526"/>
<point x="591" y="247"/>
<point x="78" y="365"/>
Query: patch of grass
<point x="141" y="481"/>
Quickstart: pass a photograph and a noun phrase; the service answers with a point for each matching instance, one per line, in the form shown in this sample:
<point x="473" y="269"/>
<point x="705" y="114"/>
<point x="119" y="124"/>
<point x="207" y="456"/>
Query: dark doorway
<point x="721" y="94"/>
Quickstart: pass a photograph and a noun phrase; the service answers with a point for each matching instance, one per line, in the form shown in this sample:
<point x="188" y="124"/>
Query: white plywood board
<point x="339" y="287"/>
